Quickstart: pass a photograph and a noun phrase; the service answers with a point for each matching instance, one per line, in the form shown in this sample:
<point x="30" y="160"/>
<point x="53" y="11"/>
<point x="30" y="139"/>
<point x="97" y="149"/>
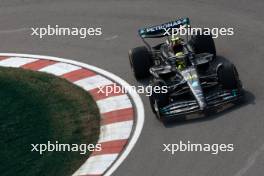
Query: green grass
<point x="36" y="108"/>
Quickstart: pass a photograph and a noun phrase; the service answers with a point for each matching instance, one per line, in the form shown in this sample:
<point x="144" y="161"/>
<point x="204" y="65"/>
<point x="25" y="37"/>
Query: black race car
<point x="195" y="79"/>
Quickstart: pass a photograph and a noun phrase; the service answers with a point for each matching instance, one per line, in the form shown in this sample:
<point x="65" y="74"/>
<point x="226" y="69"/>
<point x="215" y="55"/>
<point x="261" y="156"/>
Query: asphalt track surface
<point x="242" y="126"/>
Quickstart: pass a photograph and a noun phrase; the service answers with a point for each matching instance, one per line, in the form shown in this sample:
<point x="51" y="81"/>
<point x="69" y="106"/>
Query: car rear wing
<point x="158" y="31"/>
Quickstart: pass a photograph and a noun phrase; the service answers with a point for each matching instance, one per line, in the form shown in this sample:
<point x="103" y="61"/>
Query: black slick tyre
<point x="140" y="61"/>
<point x="228" y="76"/>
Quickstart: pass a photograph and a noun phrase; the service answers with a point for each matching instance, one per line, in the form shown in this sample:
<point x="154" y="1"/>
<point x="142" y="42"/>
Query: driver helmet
<point x="179" y="55"/>
<point x="180" y="60"/>
<point x="176" y="44"/>
<point x="176" y="40"/>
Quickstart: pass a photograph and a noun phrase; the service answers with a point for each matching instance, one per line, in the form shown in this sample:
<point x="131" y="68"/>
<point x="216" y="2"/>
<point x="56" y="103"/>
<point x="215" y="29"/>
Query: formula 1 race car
<point x="196" y="80"/>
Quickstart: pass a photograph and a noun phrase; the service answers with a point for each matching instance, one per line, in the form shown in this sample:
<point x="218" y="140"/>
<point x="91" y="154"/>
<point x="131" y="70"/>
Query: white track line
<point x="114" y="103"/>
<point x="251" y="161"/>
<point x="117" y="131"/>
<point x="111" y="38"/>
<point x="88" y="169"/>
<point x="10" y="31"/>
<point x="136" y="98"/>
<point x="93" y="82"/>
<point x="16" y="61"/>
<point x="59" y="69"/>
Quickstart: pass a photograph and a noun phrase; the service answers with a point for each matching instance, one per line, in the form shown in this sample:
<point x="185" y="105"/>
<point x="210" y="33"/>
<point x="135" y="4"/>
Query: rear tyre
<point x="140" y="61"/>
<point x="203" y="44"/>
<point x="228" y="76"/>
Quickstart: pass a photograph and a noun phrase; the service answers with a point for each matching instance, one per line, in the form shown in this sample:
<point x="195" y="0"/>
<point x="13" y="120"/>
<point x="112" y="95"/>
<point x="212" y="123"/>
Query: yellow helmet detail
<point x="179" y="54"/>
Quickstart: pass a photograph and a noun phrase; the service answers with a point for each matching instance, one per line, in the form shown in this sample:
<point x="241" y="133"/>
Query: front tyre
<point x="158" y="100"/>
<point x="140" y="61"/>
<point x="228" y="76"/>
